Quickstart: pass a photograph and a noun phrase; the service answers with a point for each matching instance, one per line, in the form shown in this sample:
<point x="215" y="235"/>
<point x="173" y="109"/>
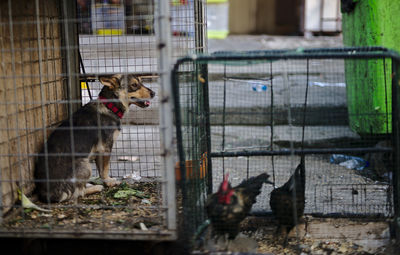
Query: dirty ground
<point x="126" y="207"/>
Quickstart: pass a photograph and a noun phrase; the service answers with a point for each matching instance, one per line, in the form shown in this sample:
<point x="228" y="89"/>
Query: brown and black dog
<point x="63" y="166"/>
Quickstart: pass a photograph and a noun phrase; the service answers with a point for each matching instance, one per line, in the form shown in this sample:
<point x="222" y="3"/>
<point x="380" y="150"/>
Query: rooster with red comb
<point x="229" y="206"/>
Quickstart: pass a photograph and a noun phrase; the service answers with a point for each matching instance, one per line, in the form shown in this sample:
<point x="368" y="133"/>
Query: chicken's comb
<point x="226" y="176"/>
<point x="225" y="182"/>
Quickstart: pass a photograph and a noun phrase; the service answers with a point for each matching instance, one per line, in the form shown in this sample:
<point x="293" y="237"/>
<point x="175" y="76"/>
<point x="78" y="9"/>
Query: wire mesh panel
<point x="32" y="87"/>
<point x="65" y="118"/>
<point x="193" y="145"/>
<point x="264" y="109"/>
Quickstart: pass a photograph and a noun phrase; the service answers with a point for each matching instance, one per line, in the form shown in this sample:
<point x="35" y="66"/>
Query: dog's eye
<point x="133" y="87"/>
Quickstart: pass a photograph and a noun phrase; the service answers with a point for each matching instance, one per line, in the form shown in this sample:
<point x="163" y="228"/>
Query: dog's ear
<point x="112" y="82"/>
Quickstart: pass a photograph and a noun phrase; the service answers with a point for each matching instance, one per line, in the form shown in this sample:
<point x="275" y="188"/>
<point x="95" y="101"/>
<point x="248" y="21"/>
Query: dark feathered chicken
<point x="282" y="201"/>
<point x="229" y="206"/>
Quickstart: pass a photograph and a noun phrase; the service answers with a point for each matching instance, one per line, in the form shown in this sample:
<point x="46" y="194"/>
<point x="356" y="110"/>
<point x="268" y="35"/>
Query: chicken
<point x="229" y="206"/>
<point x="282" y="203"/>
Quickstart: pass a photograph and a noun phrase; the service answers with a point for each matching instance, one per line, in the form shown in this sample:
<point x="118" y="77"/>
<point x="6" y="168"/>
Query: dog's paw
<point x="91" y="189"/>
<point x="111" y="182"/>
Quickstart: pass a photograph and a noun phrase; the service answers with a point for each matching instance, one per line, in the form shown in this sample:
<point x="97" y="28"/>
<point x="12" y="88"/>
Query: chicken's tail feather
<point x="300" y="172"/>
<point x="255" y="181"/>
<point x="252" y="186"/>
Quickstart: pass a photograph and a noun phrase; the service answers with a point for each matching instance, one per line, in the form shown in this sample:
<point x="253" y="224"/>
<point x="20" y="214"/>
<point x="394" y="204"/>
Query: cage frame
<point x="71" y="73"/>
<point x="374" y="52"/>
<point x="72" y="76"/>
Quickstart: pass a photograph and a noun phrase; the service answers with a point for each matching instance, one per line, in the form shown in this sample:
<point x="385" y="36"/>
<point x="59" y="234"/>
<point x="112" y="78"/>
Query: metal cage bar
<point x="166" y="124"/>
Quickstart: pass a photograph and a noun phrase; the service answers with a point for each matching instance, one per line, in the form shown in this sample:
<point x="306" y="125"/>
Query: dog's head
<point x="128" y="88"/>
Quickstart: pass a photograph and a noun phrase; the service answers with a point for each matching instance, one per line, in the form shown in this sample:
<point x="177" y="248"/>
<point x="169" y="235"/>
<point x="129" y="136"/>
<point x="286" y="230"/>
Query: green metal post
<point x="370" y="23"/>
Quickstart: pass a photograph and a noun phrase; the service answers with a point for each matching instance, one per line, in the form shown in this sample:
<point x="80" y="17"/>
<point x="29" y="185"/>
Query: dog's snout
<point x="152" y="93"/>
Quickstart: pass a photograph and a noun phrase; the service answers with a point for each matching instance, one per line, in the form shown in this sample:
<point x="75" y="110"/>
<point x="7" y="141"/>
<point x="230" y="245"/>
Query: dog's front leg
<point x="103" y="166"/>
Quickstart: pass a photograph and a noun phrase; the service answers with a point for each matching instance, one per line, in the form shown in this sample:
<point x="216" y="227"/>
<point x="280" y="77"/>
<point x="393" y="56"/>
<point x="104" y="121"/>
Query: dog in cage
<point x="63" y="166"/>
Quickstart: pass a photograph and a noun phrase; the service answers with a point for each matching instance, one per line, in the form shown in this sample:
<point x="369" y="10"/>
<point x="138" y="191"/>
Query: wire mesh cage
<point x="258" y="112"/>
<point x="65" y="66"/>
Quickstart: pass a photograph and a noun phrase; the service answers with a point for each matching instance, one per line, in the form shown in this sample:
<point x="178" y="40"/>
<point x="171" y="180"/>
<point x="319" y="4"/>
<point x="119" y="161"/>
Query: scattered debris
<point x="119" y="208"/>
<point x="61" y="216"/>
<point x="142" y="226"/>
<point x="350" y="162"/>
<point x="318" y="236"/>
<point x="263" y="241"/>
<point x="310" y="246"/>
<point x="146" y="201"/>
<point x="125" y="191"/>
<point x="134" y="176"/>
<point x="27" y="204"/>
<point x="326" y="84"/>
<point x="128" y="158"/>
<point x="241" y="243"/>
<point x="381" y="163"/>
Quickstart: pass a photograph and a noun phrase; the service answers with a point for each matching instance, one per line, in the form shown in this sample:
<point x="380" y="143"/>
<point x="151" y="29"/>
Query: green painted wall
<point x="371" y="23"/>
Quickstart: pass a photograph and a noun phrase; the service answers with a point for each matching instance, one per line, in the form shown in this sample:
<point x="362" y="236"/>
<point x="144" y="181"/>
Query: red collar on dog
<point x="112" y="107"/>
